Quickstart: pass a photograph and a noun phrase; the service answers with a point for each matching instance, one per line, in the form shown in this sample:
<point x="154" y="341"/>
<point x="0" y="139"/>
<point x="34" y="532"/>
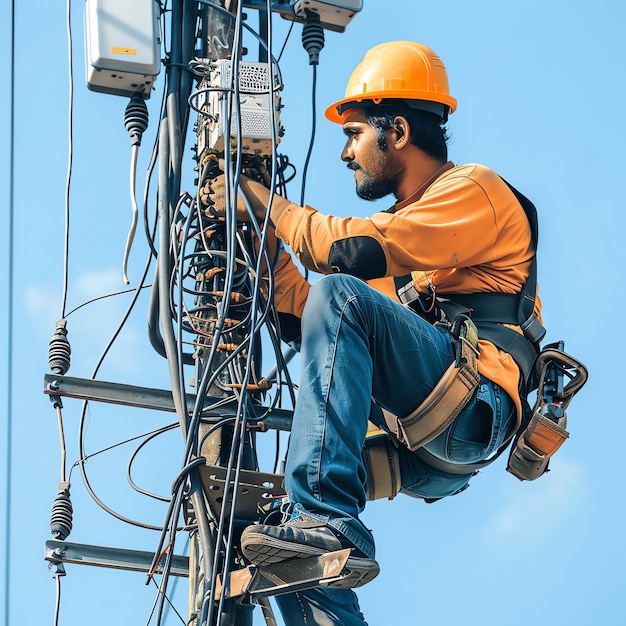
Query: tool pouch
<point x="535" y="446"/>
<point x="531" y="452"/>
<point x="382" y="463"/>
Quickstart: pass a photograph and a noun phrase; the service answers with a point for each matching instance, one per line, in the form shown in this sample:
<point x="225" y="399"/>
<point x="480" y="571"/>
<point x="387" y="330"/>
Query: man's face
<point x="376" y="170"/>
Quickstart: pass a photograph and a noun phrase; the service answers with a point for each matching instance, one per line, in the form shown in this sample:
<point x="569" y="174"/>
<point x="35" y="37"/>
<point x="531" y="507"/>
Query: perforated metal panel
<point x="255" y="490"/>
<point x="256" y="108"/>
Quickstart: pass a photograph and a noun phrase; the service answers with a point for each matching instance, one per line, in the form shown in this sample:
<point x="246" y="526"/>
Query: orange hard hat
<point x="403" y="70"/>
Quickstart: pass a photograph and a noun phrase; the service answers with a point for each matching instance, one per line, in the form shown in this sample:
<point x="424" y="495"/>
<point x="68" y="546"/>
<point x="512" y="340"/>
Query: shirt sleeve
<point x="291" y="289"/>
<point x="453" y="225"/>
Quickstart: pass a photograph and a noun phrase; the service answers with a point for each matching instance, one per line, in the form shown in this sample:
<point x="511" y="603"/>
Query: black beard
<point x="373" y="189"/>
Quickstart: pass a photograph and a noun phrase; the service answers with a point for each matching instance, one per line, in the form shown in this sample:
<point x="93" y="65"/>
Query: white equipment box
<point x="334" y="14"/>
<point x="259" y="105"/>
<point x="122" y="46"/>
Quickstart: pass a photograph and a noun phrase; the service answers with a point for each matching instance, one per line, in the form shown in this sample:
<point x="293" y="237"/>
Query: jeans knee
<point x="331" y="291"/>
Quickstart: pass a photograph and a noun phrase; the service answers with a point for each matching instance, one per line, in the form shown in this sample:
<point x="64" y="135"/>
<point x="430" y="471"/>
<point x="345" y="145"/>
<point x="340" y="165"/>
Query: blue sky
<point x="540" y="87"/>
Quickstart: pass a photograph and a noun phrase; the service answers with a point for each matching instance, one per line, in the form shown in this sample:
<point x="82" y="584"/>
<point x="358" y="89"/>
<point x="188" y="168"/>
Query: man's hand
<point x="214" y="194"/>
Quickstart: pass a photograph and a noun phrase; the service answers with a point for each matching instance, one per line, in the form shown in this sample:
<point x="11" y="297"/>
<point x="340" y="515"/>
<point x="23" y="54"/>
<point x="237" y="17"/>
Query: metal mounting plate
<point x="255" y="489"/>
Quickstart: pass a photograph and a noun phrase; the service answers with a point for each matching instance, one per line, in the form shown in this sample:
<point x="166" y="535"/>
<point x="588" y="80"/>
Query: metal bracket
<point x="113" y="558"/>
<point x="149" y="398"/>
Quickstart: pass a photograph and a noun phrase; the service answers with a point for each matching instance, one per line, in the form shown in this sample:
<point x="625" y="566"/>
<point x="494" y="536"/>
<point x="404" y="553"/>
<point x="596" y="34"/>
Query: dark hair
<point x="428" y="131"/>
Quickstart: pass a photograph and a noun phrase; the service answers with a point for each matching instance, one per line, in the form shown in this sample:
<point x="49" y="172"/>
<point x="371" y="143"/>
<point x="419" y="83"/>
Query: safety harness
<point x="449" y="396"/>
<point x="485" y="316"/>
<point x="491" y="311"/>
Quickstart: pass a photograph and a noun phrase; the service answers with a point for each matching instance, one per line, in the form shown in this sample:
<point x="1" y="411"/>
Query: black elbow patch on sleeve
<point x="290" y="329"/>
<point x="360" y="256"/>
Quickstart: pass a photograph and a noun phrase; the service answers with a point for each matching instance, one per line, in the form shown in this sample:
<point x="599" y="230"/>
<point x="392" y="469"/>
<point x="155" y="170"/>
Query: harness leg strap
<point x="442" y="405"/>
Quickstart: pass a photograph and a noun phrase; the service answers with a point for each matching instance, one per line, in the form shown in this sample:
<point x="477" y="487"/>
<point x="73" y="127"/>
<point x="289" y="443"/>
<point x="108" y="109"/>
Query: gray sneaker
<point x="303" y="537"/>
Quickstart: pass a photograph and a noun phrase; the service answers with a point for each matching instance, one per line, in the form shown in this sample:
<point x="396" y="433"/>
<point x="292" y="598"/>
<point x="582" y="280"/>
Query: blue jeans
<point x="359" y="345"/>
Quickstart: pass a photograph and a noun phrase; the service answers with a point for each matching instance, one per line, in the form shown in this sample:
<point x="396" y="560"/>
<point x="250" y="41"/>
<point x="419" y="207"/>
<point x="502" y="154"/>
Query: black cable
<point x="185" y="471"/>
<point x="57" y="601"/>
<point x="164" y="268"/>
<point x="166" y="570"/>
<point x="61" y="522"/>
<point x="154" y="605"/>
<point x="313" y="131"/>
<point x="208" y="606"/>
<point x="286" y="40"/>
<point x="81" y="426"/>
<point x="259" y="308"/>
<point x="171" y="517"/>
<point x="81" y="465"/>
<point x="70" y="157"/>
<point x="224" y="11"/>
<point x="106" y="295"/>
<point x="188" y="40"/>
<point x="135" y="122"/>
<point x="313" y="42"/>
<point x="176" y="505"/>
<point x="147" y="440"/>
<point x="9" y="354"/>
<point x="169" y="176"/>
<point x="121" y="443"/>
<point x="150" y="236"/>
<point x="83" y="413"/>
<point x="240" y="430"/>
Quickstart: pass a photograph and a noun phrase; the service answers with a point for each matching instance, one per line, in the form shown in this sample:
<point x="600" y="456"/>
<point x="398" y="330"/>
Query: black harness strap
<point x="490" y="311"/>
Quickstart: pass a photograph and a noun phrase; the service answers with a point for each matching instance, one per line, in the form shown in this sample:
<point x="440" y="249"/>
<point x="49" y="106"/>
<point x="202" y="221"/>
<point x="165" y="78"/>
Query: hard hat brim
<point x="333" y="115"/>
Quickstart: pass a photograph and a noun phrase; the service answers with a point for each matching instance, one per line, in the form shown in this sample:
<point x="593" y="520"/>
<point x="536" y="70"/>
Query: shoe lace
<point x="277" y="512"/>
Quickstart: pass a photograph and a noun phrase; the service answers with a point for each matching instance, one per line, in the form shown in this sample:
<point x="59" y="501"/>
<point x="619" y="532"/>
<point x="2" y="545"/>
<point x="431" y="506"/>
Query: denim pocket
<point x="423" y="481"/>
<point x="479" y="429"/>
<point x="435" y="484"/>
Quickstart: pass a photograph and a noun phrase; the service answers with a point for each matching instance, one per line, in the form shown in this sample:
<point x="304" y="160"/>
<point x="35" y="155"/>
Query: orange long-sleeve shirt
<point x="463" y="231"/>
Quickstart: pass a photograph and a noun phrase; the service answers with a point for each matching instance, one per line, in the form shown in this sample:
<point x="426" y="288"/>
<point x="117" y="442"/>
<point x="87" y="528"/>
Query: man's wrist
<point x="279" y="206"/>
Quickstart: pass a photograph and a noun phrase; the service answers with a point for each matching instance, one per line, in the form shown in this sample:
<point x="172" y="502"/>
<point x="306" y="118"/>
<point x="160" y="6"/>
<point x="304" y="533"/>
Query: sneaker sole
<point x="356" y="573"/>
<point x="266" y="550"/>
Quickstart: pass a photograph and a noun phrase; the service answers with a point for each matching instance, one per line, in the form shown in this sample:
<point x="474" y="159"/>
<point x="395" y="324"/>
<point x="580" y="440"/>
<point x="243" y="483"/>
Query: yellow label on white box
<point x="117" y="50"/>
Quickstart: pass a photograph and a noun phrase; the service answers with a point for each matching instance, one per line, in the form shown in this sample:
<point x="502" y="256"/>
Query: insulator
<point x="61" y="518"/>
<point x="59" y="351"/>
<point x="313" y="37"/>
<point x="136" y="118"/>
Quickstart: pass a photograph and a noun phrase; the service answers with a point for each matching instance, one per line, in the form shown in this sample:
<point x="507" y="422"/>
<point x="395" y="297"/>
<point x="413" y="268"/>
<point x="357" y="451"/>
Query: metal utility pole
<point x="225" y="301"/>
<point x="211" y="306"/>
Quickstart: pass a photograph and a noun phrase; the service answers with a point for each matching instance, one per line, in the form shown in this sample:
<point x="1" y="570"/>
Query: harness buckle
<point x="465" y="335"/>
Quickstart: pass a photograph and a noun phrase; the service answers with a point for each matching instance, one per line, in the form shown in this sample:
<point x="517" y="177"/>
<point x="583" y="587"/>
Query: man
<point x="452" y="230"/>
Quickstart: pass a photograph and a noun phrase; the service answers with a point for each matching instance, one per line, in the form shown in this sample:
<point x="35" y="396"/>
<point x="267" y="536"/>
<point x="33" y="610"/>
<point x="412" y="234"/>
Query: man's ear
<point x="402" y="132"/>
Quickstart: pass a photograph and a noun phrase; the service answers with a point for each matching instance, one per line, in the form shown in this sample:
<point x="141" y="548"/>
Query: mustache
<point x="353" y="165"/>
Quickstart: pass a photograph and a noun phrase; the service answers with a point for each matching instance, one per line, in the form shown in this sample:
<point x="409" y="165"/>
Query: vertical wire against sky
<point x="9" y="395"/>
